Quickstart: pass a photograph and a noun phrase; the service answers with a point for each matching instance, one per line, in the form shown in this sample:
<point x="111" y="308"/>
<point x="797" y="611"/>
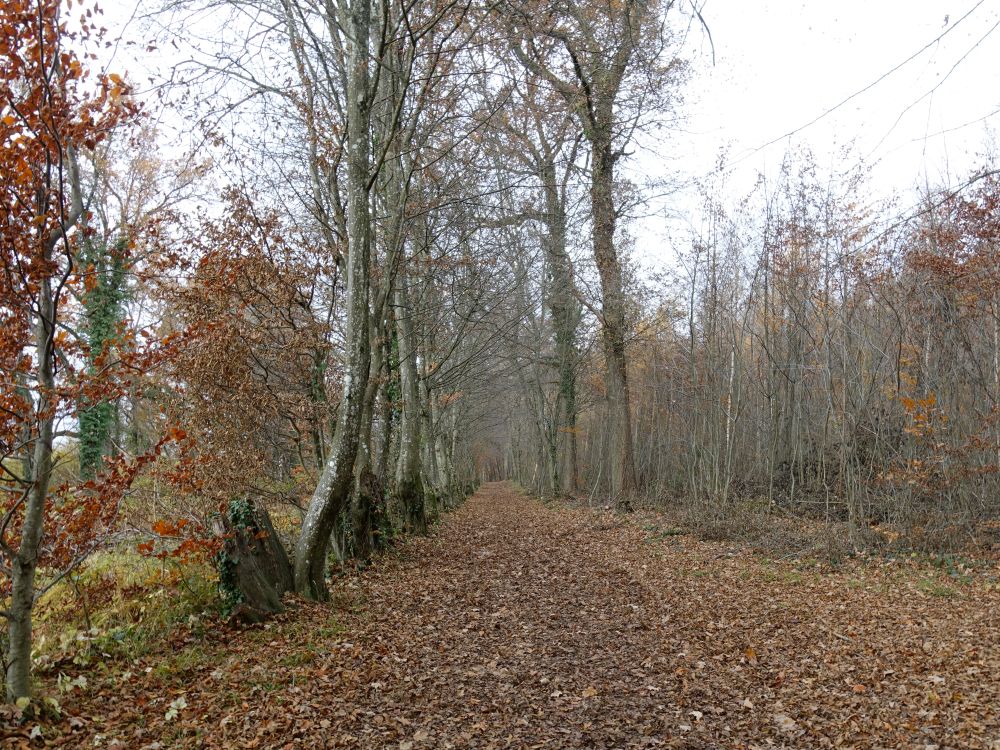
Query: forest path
<point x="521" y="625"/>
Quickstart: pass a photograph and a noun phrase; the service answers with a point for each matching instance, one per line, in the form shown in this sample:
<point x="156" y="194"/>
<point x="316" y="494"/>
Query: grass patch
<point x="935" y="588"/>
<point x="181" y="662"/>
<point x="119" y="606"/>
<point x="329" y="632"/>
<point x="656" y="533"/>
<point x="298" y="658"/>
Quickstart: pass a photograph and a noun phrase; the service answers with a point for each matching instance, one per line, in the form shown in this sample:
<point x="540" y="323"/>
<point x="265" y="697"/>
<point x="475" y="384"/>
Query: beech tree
<point x="609" y="65"/>
<point x="332" y="490"/>
<point x="51" y="110"/>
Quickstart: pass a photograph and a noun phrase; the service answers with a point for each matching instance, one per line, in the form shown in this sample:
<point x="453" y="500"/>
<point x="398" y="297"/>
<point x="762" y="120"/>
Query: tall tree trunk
<point x="623" y="481"/>
<point x="409" y="483"/>
<point x="367" y="498"/>
<point x="25" y="563"/>
<point x="387" y="395"/>
<point x="102" y="314"/>
<point x="334" y="486"/>
<point x="565" y="311"/>
<point x="317" y="397"/>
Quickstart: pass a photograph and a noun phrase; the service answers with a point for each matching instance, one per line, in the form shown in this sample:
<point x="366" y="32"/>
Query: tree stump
<point x="254" y="569"/>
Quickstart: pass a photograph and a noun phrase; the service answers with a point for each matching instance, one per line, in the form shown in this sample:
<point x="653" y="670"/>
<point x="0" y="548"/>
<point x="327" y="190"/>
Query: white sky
<point x="782" y="63"/>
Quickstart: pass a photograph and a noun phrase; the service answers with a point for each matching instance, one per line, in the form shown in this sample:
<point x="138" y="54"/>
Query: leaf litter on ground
<point x="522" y="625"/>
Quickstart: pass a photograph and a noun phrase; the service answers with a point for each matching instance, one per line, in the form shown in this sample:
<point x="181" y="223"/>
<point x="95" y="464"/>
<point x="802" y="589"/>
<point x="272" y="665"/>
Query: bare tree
<point x="607" y="62"/>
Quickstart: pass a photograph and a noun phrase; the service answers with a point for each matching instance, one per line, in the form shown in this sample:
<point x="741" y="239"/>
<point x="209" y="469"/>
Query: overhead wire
<point x="827" y="112"/>
<point x="729" y="165"/>
<point x="937" y="85"/>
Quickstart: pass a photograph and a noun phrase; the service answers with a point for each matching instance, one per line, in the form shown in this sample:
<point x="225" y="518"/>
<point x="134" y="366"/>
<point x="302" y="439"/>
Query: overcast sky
<point x="781" y="64"/>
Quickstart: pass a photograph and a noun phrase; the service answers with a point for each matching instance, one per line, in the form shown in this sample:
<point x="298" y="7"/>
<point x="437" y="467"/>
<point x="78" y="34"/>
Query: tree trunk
<point x="365" y="521"/>
<point x="623" y="481"/>
<point x="366" y="500"/>
<point x="334" y="486"/>
<point x="409" y="483"/>
<point x="565" y="311"/>
<point x="388" y="408"/>
<point x="25" y="563"/>
<point x="317" y="396"/>
<point x="254" y="571"/>
<point x="102" y="315"/>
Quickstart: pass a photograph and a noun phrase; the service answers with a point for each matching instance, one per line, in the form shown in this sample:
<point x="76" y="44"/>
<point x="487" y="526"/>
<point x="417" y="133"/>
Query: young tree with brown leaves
<point x="51" y="110"/>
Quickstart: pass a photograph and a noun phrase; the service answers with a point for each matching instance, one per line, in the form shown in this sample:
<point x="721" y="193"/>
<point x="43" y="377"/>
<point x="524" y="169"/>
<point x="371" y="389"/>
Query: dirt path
<point x="517" y="625"/>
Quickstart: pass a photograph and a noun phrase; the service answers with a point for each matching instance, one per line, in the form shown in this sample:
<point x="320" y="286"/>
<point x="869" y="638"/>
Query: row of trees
<point x="327" y="336"/>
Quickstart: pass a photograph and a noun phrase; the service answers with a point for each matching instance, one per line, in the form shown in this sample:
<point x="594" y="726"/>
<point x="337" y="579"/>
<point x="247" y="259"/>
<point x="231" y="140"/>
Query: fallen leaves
<point x="175" y="707"/>
<point x="785" y="723"/>
<point x="518" y="625"/>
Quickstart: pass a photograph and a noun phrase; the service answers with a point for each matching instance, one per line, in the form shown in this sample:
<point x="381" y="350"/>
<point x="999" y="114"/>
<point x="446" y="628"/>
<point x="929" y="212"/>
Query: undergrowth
<point x="119" y="606"/>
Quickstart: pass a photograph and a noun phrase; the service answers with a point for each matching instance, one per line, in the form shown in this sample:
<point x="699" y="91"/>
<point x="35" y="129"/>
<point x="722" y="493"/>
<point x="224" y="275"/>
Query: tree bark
<point x="565" y="311"/>
<point x="334" y="486"/>
<point x="25" y="563"/>
<point x="613" y="330"/>
<point x="367" y="499"/>
<point x="409" y="482"/>
<point x="254" y="569"/>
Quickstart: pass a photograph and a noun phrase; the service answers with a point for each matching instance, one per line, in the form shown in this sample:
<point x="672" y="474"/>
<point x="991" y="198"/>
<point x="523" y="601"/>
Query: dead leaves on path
<point x="520" y="625"/>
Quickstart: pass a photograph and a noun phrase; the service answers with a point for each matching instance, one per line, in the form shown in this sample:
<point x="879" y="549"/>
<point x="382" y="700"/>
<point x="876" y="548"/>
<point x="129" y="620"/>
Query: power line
<point x="928" y="204"/>
<point x="936" y="86"/>
<point x="861" y="91"/>
<point x="728" y="166"/>
<point x="945" y="131"/>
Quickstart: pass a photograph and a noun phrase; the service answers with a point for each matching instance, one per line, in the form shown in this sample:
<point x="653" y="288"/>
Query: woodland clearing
<point x="520" y="624"/>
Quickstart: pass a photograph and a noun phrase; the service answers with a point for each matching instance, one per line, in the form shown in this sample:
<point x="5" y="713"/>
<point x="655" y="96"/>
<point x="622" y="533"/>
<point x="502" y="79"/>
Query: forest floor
<point x="522" y="625"/>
